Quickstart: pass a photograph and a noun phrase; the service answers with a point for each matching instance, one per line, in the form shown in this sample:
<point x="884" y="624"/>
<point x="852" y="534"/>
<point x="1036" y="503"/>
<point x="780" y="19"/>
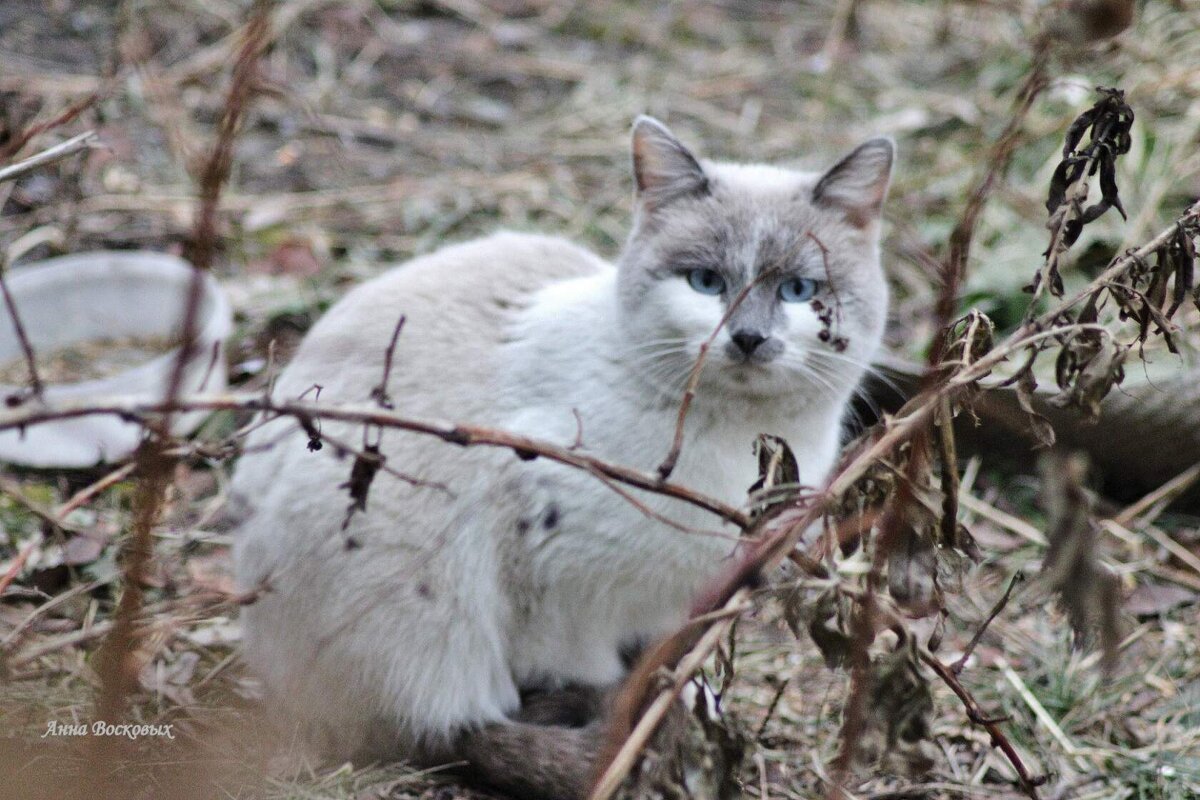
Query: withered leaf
<point x="311" y="431"/>
<point x="897" y="731"/>
<point x="828" y="627"/>
<point x="1025" y="386"/>
<point x="913" y="567"/>
<point x="777" y="468"/>
<point x="362" y="474"/>
<point x="1093" y="381"/>
<point x="1108" y="184"/>
<point x="1058" y="184"/>
<point x="1087" y="590"/>
<point x="1109" y="121"/>
<point x="970" y="338"/>
<point x="1076" y="131"/>
<point x="1184" y="251"/>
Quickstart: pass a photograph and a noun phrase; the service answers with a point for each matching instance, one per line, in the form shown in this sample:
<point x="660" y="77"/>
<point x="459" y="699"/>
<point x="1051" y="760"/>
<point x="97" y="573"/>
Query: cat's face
<point x="787" y="261"/>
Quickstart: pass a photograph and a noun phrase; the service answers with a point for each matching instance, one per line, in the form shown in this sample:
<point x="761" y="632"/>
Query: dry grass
<point x="385" y="129"/>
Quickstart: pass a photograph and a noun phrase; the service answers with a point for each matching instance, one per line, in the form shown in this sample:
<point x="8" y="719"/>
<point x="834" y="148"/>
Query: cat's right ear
<point x="858" y="184"/>
<point x="663" y="168"/>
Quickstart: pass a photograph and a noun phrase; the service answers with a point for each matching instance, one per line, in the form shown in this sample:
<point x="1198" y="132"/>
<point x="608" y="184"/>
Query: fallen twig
<point x="83" y="141"/>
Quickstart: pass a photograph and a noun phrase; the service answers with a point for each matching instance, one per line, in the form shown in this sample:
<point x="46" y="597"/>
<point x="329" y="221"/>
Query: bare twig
<point x="144" y="411"/>
<point x="958" y="665"/>
<point x="59" y="151"/>
<point x="668" y="465"/>
<point x="85" y="494"/>
<point x="771" y="706"/>
<point x="35" y="380"/>
<point x="617" y="765"/>
<point x="14" y="569"/>
<point x="650" y="513"/>
<point x="380" y="393"/>
<point x="68" y="114"/>
<point x="1028" y="782"/>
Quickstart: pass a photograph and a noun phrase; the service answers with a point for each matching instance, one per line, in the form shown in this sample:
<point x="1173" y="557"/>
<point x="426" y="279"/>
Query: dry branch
<point x="35" y="380"/>
<point x="67" y="115"/>
<point x="143" y="411"/>
<point x="71" y="146"/>
<point x="668" y="465"/>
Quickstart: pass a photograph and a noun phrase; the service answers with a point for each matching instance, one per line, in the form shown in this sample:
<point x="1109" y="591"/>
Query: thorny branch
<point x="145" y="411"/>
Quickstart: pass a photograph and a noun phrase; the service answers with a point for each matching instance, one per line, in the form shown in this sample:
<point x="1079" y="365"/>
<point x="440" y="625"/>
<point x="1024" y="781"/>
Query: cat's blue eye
<point x="797" y="290"/>
<point x="706" y="281"/>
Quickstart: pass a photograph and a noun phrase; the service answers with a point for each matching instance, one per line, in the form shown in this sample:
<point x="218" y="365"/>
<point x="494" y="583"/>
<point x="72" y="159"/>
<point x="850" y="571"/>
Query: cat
<point x="412" y="628"/>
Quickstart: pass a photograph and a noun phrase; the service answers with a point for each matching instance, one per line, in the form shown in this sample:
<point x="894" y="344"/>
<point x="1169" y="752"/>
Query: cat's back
<point x="459" y="305"/>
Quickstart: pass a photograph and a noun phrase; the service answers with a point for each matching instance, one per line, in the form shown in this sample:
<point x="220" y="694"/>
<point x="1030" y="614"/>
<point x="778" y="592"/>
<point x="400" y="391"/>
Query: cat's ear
<point x="663" y="168"/>
<point x="858" y="184"/>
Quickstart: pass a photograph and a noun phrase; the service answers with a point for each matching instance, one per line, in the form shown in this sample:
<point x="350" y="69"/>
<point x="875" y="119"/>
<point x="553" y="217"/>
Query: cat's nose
<point x="747" y="341"/>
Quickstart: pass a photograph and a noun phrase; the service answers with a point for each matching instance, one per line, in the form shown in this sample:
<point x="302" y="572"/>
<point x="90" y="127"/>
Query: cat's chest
<point x="717" y="460"/>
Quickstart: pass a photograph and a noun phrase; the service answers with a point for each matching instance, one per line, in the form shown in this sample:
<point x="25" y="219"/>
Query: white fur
<point x="445" y="609"/>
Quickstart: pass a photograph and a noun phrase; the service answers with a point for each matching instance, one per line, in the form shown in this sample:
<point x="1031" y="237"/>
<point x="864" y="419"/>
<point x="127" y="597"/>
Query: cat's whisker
<point x="872" y="369"/>
<point x="810" y="372"/>
<point x="664" y="374"/>
<point x="858" y="390"/>
<point x="641" y="347"/>
<point x="666" y="352"/>
<point x="659" y="340"/>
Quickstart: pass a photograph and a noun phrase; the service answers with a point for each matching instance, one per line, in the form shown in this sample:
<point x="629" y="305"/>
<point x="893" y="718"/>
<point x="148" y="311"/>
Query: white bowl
<point x="89" y="296"/>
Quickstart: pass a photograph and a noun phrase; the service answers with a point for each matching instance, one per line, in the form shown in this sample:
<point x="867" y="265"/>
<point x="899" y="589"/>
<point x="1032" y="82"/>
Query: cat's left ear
<point x="663" y="168"/>
<point x="858" y="184"/>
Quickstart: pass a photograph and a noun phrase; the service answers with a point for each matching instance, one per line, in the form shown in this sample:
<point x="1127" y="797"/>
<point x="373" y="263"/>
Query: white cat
<point x="414" y="632"/>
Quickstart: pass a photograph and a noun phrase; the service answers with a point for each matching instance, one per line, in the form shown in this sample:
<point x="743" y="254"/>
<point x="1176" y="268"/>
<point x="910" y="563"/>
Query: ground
<point x="383" y="129"/>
